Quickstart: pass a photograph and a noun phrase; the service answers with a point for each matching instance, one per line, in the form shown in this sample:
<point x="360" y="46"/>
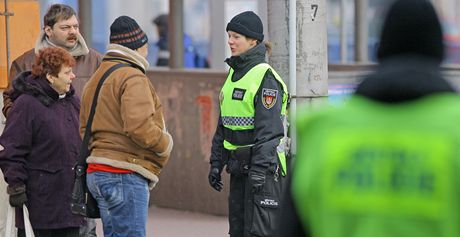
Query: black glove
<point x="215" y="179"/>
<point x="257" y="180"/>
<point x="17" y="195"/>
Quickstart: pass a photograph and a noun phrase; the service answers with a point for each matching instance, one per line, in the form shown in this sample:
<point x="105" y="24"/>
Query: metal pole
<point x="361" y="31"/>
<point x="343" y="33"/>
<point x="7" y="35"/>
<point x="283" y="39"/>
<point x="293" y="72"/>
<point x="176" y="33"/>
<point x="278" y="35"/>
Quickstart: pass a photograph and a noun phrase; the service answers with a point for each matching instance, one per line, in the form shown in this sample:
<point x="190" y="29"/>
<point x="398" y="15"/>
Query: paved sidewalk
<point x="174" y="223"/>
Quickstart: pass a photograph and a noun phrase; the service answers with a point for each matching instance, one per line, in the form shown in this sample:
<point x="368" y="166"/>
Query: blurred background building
<point x="199" y="21"/>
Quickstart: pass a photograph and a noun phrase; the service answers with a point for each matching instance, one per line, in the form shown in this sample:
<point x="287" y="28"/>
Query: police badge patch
<point x="269" y="97"/>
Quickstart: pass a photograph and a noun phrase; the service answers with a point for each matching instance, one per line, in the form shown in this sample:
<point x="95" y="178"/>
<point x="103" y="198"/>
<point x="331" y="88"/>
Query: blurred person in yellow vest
<point x="386" y="162"/>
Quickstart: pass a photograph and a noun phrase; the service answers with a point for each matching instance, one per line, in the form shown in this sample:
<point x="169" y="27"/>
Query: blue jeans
<point x="123" y="201"/>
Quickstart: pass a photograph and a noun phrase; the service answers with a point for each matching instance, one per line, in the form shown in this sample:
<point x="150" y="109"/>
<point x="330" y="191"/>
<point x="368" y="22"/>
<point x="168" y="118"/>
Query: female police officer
<point x="249" y="138"/>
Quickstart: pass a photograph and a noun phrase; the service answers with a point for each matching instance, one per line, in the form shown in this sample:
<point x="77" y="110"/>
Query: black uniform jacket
<point x="268" y="125"/>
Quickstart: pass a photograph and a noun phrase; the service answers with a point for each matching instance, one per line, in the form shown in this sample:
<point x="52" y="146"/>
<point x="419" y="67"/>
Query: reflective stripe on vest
<point x="237" y="104"/>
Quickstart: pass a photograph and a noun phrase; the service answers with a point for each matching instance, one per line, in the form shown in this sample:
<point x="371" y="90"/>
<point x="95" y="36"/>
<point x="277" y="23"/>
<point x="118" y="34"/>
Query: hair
<point x="269" y="47"/>
<point x="58" y="12"/>
<point x="50" y="60"/>
<point x="161" y="21"/>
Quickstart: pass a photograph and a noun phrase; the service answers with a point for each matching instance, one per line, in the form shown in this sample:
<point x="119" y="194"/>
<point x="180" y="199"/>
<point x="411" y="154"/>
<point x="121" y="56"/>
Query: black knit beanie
<point x="125" y="31"/>
<point x="248" y="24"/>
<point x="411" y="27"/>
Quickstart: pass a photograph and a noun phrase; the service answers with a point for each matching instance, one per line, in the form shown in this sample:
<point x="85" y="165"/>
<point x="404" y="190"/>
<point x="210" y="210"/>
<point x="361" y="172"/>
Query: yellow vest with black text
<point x="237" y="107"/>
<point x="377" y="169"/>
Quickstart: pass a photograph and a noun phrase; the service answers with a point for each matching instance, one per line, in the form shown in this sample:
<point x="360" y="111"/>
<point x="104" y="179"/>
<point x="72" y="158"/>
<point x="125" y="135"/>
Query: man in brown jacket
<point x="129" y="143"/>
<point x="61" y="29"/>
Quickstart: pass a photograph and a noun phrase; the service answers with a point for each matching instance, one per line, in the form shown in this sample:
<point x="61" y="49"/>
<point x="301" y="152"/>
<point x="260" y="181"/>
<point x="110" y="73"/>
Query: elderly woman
<point x="40" y="145"/>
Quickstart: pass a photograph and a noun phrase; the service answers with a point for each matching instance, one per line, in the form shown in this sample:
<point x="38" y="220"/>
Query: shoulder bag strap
<point x="84" y="150"/>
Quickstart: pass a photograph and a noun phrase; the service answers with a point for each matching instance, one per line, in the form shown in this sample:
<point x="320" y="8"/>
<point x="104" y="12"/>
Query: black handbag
<point x="83" y="203"/>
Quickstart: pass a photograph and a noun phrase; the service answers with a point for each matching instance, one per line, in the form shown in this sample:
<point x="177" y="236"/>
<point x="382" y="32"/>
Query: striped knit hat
<point x="125" y="31"/>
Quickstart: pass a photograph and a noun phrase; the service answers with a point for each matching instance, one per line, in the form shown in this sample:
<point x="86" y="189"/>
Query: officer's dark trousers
<point x="253" y="214"/>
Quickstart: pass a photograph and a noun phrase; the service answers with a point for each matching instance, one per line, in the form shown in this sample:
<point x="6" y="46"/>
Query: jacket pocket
<point x="43" y="187"/>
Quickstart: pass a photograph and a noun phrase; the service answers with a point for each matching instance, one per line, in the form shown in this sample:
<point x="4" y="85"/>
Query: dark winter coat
<point x="40" y="144"/>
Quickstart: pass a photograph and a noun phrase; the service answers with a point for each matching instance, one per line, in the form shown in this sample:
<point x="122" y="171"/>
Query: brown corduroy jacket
<point x="128" y="129"/>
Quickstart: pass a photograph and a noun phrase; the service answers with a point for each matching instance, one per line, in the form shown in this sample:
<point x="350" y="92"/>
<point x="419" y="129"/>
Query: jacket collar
<point x="38" y="87"/>
<point x="404" y="78"/>
<point x="129" y="54"/>
<point x="80" y="48"/>
<point x="243" y="63"/>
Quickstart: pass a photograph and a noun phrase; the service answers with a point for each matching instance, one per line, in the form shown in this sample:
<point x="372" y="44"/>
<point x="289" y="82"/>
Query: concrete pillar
<point x="311" y="44"/>
<point x="262" y="11"/>
<point x="311" y="50"/>
<point x="309" y="87"/>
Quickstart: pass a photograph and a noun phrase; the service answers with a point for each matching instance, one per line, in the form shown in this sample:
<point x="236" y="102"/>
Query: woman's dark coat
<point x="40" y="145"/>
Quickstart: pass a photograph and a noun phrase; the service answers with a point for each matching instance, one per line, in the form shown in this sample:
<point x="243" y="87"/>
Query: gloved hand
<point x="257" y="180"/>
<point x="17" y="195"/>
<point x="215" y="179"/>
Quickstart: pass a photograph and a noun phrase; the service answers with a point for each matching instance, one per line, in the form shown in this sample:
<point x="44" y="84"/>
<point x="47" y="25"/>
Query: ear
<point x="48" y="30"/>
<point x="50" y="78"/>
